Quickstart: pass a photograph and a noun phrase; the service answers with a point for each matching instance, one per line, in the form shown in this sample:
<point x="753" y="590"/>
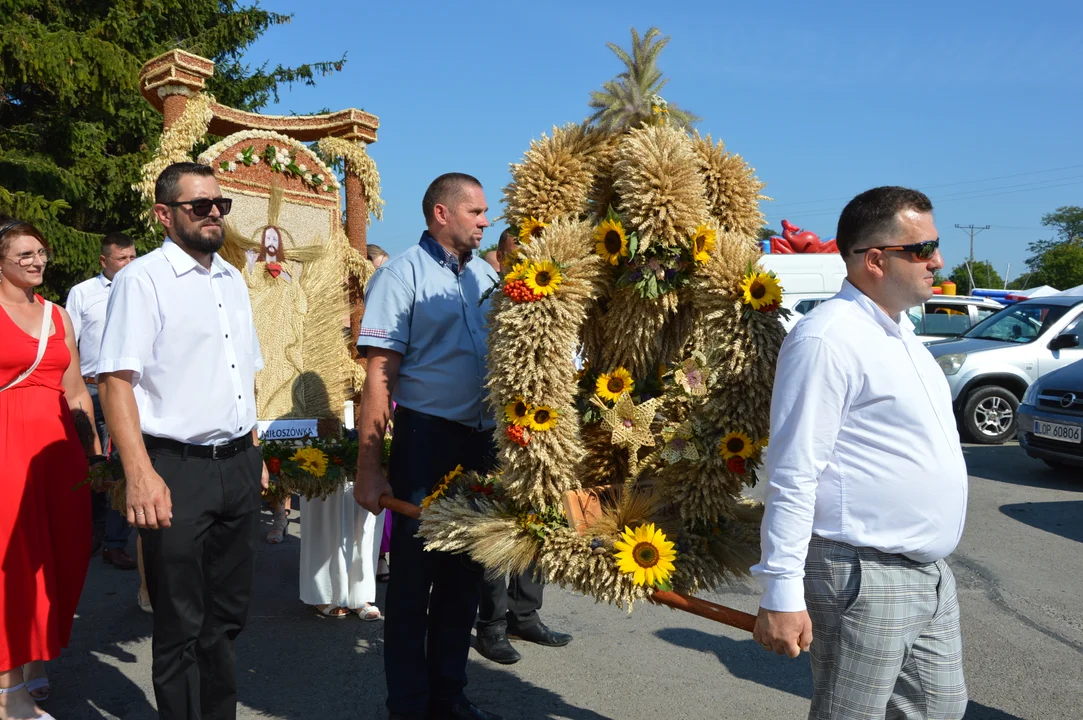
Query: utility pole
<point x="974" y="230"/>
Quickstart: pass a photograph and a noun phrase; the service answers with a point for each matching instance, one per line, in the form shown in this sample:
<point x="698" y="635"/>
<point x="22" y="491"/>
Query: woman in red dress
<point x="45" y="532"/>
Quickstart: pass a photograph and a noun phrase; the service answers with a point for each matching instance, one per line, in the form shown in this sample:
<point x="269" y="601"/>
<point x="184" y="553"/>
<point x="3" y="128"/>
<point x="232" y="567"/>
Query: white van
<point x="807" y="280"/>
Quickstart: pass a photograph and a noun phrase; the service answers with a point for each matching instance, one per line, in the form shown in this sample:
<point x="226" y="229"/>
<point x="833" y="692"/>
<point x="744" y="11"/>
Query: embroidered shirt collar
<point x="441" y="254"/>
<point x="893" y="326"/>
<point x="182" y="262"/>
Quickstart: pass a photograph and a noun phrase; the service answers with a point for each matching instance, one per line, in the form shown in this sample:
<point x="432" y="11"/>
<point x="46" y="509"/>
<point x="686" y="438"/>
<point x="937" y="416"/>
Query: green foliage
<point x="985" y="276"/>
<point x="74" y="130"/>
<point x="1061" y="266"/>
<point x="1058" y="261"/>
<point x="633" y="97"/>
<point x="766" y="233"/>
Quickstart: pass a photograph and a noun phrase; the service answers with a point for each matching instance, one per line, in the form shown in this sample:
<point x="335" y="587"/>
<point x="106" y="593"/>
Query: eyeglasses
<point x="26" y="259"/>
<point x="921" y="250"/>
<point x="202" y="206"/>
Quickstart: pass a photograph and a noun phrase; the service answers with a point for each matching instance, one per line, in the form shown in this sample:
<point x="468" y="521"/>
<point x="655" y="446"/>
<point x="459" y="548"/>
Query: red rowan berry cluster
<point x="518" y="291"/>
<point x="769" y="308"/>
<point x="737" y="465"/>
<point x="517" y="435"/>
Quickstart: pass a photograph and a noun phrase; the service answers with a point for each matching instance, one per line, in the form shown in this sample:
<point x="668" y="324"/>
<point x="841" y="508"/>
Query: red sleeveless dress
<point x="44" y="521"/>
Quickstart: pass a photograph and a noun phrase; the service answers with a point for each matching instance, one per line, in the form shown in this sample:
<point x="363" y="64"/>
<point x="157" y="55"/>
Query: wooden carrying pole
<point x="675" y="600"/>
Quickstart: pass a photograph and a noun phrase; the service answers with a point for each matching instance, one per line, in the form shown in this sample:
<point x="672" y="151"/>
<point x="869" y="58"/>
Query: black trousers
<point x="513" y="604"/>
<point x="432" y="597"/>
<point x="107" y="522"/>
<point x="199" y="574"/>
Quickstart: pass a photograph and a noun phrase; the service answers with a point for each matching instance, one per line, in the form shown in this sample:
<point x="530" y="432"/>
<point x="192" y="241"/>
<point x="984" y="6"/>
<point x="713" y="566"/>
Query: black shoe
<point x="495" y="646"/>
<point x="541" y="635"/>
<point x="463" y="710"/>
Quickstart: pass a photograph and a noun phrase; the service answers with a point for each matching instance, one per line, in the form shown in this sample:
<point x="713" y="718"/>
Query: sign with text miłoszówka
<point x="286" y="429"/>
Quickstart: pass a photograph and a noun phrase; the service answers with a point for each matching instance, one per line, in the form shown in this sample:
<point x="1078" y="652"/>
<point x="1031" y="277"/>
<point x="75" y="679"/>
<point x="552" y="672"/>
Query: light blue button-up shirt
<point x="425" y="306"/>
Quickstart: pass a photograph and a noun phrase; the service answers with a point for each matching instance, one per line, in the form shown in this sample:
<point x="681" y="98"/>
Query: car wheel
<point x="989" y="415"/>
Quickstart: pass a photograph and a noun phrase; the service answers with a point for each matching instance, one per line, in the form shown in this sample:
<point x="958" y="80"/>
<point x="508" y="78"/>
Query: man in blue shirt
<point x="425" y="334"/>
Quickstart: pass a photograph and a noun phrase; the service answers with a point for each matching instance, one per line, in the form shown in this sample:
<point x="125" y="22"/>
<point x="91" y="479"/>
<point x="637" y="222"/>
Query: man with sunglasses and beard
<point x="867" y="487"/>
<point x="176" y="378"/>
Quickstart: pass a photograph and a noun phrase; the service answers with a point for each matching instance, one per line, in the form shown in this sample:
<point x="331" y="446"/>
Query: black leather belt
<point x="205" y="452"/>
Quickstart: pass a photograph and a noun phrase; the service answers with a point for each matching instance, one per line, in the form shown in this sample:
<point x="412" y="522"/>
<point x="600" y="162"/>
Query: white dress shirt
<point x="86" y="305"/>
<point x="187" y="334"/>
<point x="864" y="447"/>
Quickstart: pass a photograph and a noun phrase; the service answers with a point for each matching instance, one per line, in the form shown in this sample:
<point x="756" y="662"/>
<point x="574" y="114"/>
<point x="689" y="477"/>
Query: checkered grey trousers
<point x="885" y="635"/>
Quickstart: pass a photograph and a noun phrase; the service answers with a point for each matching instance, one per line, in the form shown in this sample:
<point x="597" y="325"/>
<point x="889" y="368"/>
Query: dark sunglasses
<point x="202" y="206"/>
<point x="921" y="250"/>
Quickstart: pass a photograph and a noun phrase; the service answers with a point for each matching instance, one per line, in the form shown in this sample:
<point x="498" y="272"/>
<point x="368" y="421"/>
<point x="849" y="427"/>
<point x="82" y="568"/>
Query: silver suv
<point x="991" y="365"/>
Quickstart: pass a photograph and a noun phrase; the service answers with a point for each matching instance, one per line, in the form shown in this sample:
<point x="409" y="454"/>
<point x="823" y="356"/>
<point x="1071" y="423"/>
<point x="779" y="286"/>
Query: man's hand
<point x="369" y="485"/>
<point x="265" y="477"/>
<point x="149" y="503"/>
<point x="787" y="633"/>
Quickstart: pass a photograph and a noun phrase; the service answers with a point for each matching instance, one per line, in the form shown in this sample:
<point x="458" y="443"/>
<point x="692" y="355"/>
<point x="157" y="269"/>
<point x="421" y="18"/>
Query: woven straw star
<point x="631" y="424"/>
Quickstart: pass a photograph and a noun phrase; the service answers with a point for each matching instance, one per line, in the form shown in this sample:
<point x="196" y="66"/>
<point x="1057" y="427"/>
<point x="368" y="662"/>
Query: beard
<point x="193" y="237"/>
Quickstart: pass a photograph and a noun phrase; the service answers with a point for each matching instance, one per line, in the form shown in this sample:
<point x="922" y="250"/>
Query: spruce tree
<point x="74" y="130"/>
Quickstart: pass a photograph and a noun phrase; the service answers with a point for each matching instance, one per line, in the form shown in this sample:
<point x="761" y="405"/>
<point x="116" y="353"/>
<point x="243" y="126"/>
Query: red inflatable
<point x="794" y="241"/>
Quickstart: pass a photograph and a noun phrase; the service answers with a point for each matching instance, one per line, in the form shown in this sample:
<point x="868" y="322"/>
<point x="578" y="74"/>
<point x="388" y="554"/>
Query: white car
<point x="948" y="316"/>
<point x="801" y="304"/>
<point x="945" y="316"/>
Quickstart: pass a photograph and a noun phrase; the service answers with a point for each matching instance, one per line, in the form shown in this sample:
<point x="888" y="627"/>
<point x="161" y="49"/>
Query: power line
<point x="973" y="231"/>
<point x="950" y="198"/>
<point x="931" y="187"/>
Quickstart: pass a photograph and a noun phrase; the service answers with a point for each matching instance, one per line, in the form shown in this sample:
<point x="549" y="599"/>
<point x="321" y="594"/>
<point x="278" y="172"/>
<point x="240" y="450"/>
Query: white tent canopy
<point x="1036" y="292"/>
<point x="1077" y="290"/>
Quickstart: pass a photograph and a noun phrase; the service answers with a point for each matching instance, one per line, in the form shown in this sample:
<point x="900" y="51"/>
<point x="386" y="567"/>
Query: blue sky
<point x="977" y="103"/>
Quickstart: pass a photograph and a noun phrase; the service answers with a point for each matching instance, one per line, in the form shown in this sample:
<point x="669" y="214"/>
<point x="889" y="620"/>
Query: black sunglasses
<point x="202" y="206"/>
<point x="921" y="250"/>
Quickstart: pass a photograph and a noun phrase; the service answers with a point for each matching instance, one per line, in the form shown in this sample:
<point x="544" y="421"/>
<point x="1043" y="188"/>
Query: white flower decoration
<point x="232" y="167"/>
<point x="303" y="168"/>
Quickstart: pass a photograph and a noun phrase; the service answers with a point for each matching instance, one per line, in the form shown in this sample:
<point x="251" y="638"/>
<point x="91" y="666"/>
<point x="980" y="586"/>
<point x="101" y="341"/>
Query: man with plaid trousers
<point x="867" y="486"/>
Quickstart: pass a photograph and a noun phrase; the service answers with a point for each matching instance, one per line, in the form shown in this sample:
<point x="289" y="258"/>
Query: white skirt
<point x="340" y="545"/>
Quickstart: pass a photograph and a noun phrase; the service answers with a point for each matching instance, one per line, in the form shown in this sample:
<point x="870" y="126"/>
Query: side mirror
<point x="1060" y="342"/>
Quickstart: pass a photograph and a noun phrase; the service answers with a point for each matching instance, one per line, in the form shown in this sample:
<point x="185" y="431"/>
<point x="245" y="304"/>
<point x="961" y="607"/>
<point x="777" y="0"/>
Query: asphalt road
<point x="1019" y="571"/>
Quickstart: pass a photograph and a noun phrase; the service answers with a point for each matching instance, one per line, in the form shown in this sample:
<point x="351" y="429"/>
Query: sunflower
<point x="703" y="243"/>
<point x="517" y="272"/>
<point x="542" y="418"/>
<point x="610" y="241"/>
<point x="761" y="290"/>
<point x="543" y="278"/>
<point x="531" y="229"/>
<point x="311" y="460"/>
<point x="610" y="386"/>
<point x="646" y="555"/>
<point x="517" y="411"/>
<point x="736" y="444"/>
<point x="441" y="487"/>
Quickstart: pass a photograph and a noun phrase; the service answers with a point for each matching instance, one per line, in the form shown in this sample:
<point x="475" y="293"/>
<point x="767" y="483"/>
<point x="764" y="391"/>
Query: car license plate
<point x="1055" y="431"/>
